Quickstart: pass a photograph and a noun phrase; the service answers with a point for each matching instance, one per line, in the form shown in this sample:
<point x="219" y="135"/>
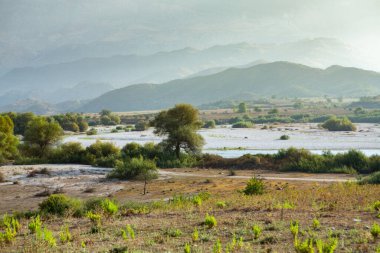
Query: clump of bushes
<point x="243" y="124"/>
<point x="339" y="124"/>
<point x="284" y="137"/>
<point x="92" y="131"/>
<point x="209" y="124"/>
<point x="373" y="178"/>
<point x="255" y="186"/>
<point x="59" y="204"/>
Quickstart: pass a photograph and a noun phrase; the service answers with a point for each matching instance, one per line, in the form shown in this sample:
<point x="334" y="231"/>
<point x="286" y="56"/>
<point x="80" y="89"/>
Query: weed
<point x="294" y="228"/>
<point x="303" y="246"/>
<point x="173" y="232"/>
<point x="217" y="247"/>
<point x="375" y="230"/>
<point x="197" y="201"/>
<point x="327" y="247"/>
<point x="65" y="235"/>
<point x="256" y="229"/>
<point x="35" y="224"/>
<point x="49" y="237"/>
<point x="128" y="232"/>
<point x="96" y="221"/>
<point x="210" y="221"/>
<point x="195" y="235"/>
<point x="109" y="207"/>
<point x="187" y="248"/>
<point x="255" y="186"/>
<point x="221" y="204"/>
<point x="316" y="224"/>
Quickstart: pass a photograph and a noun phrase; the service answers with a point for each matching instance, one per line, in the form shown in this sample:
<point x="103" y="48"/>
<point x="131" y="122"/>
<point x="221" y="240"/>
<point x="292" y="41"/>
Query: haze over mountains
<point x="57" y="56"/>
<point x="56" y="83"/>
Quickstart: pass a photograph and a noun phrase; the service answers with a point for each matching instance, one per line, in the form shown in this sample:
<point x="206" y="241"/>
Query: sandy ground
<point x="28" y="185"/>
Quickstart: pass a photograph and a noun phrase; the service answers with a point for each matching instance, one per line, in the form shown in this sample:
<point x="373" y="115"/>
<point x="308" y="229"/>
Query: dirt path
<point x="308" y="178"/>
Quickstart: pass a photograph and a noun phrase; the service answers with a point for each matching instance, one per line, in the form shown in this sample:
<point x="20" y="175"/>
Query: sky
<point x="38" y="25"/>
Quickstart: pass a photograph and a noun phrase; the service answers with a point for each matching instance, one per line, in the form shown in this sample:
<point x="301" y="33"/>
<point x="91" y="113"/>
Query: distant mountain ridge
<point x="121" y="70"/>
<point x="276" y="78"/>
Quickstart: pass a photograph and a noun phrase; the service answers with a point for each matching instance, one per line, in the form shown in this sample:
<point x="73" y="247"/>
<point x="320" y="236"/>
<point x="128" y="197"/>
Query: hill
<point x="283" y="79"/>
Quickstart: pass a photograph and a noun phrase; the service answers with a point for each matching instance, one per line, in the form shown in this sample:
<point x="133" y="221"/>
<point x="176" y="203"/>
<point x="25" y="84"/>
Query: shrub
<point x="339" y="124"/>
<point x="173" y="232"/>
<point x="284" y="137"/>
<point x="136" y="168"/>
<point x="242" y="124"/>
<point x="209" y="124"/>
<point x="92" y="131"/>
<point x="354" y="159"/>
<point x="210" y="221"/>
<point x="71" y="152"/>
<point x="2" y="177"/>
<point x="103" y="154"/>
<point x="375" y="230"/>
<point x="255" y="186"/>
<point x="195" y="235"/>
<point x="58" y="204"/>
<point x="221" y="204"/>
<point x="328" y="247"/>
<point x="187" y="248"/>
<point x="141" y="126"/>
<point x="374" y="178"/>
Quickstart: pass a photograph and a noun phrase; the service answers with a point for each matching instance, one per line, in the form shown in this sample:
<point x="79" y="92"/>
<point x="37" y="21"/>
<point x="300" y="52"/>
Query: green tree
<point x="8" y="142"/>
<point x="135" y="168"/>
<point x="242" y="108"/>
<point x="42" y="133"/>
<point x="179" y="125"/>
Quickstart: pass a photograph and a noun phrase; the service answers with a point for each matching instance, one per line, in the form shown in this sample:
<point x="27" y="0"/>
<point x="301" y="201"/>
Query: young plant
<point x="316" y="224"/>
<point x="375" y="230"/>
<point x="217" y="247"/>
<point x="195" y="235"/>
<point x="96" y="221"/>
<point x="221" y="204"/>
<point x="197" y="200"/>
<point x="128" y="232"/>
<point x="256" y="229"/>
<point x="187" y="248"/>
<point x="35" y="225"/>
<point x="304" y="246"/>
<point x="109" y="207"/>
<point x="210" y="221"/>
<point x="327" y="247"/>
<point x="49" y="237"/>
<point x="65" y="235"/>
<point x="294" y="228"/>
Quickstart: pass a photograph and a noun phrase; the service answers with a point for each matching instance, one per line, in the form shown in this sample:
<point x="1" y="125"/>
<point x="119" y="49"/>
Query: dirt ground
<point x="28" y="185"/>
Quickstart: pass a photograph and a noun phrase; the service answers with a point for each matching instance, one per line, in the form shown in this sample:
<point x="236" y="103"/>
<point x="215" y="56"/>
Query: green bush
<point x="373" y="178"/>
<point x="242" y="124"/>
<point x="255" y="186"/>
<point x="92" y="131"/>
<point x="339" y="124"/>
<point x="59" y="204"/>
<point x="284" y="137"/>
<point x="71" y="152"/>
<point x="209" y="124"/>
<point x="136" y="168"/>
<point x="103" y="154"/>
<point x="210" y="221"/>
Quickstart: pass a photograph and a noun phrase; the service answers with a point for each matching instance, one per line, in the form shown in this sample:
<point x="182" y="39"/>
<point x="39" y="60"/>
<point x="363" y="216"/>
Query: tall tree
<point x="8" y="142"/>
<point x="42" y="133"/>
<point x="179" y="125"/>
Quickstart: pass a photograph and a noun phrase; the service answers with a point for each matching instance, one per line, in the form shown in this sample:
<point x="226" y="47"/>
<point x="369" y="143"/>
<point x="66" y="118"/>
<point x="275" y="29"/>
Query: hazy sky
<point x="43" y="24"/>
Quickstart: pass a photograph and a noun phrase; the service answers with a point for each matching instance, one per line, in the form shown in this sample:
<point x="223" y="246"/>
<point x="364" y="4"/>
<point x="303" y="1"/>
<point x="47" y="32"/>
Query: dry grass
<point x="343" y="210"/>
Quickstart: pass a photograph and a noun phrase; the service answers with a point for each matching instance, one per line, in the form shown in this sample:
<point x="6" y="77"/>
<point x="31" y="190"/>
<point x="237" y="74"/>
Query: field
<point x="164" y="220"/>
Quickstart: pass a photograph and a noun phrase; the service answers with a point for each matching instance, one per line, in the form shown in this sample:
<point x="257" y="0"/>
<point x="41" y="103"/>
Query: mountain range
<point x="283" y="79"/>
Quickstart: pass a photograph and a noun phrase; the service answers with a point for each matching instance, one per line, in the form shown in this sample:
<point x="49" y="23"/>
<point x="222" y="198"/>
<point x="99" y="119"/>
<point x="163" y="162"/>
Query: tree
<point x="242" y="108"/>
<point x="42" y="133"/>
<point x="8" y="142"/>
<point x="179" y="125"/>
<point x="135" y="168"/>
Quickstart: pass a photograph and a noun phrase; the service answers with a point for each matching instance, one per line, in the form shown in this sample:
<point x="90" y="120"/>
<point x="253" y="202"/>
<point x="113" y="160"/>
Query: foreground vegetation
<point x="280" y="217"/>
